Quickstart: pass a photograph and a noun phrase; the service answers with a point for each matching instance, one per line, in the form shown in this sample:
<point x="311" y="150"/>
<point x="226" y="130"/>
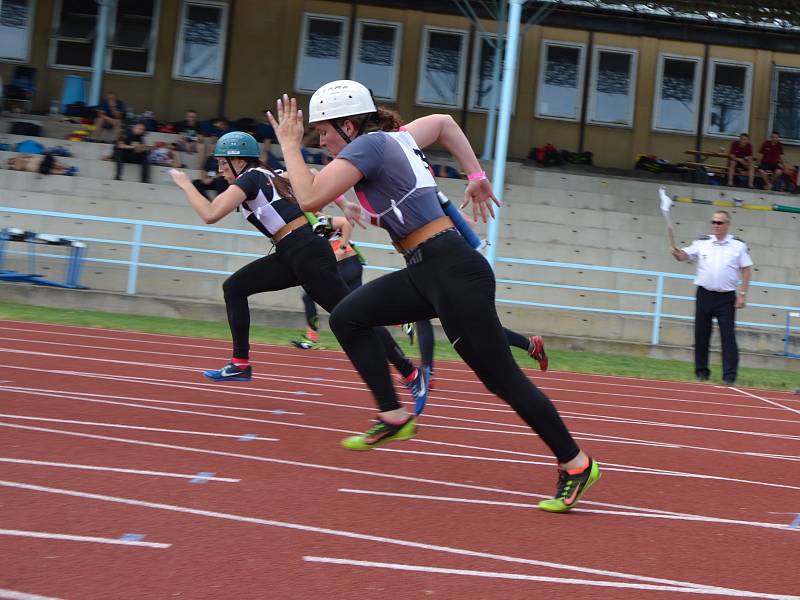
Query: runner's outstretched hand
<point x="287" y="123"/>
<point x="479" y="193"/>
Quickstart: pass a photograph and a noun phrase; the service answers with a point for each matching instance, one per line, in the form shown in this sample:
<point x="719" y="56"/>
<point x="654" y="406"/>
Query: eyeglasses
<point x="719" y="222"/>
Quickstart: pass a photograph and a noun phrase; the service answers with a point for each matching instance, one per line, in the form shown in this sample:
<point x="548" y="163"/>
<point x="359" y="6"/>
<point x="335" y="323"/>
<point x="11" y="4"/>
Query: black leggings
<point x="301" y="258"/>
<point x="450" y="280"/>
<point x="426" y="338"/>
<point x="351" y="271"/>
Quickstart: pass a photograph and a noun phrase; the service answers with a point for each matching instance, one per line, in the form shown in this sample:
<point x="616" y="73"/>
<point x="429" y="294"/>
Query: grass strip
<point x="561" y="360"/>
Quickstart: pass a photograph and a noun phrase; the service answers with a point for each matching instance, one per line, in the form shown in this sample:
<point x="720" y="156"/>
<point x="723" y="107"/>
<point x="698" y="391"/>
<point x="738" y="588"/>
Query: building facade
<point x="613" y="84"/>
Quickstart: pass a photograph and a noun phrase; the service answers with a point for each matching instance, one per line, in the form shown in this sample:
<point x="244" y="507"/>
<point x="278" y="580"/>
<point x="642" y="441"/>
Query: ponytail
<point x="281" y="184"/>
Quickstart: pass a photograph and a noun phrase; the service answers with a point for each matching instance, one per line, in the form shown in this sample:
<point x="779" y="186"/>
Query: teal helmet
<point x="237" y="144"/>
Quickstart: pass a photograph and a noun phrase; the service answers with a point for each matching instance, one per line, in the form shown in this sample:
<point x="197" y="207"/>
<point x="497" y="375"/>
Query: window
<point x="442" y="67"/>
<point x="785" y="109"/>
<point x="677" y="85"/>
<point x="322" y="54"/>
<point x="560" y="81"/>
<point x="613" y="86"/>
<point x="728" y="98"/>
<point x="482" y="70"/>
<point x="376" y="57"/>
<point x="74" y="26"/>
<point x="132" y="37"/>
<point x="200" y="51"/>
<point x="15" y="29"/>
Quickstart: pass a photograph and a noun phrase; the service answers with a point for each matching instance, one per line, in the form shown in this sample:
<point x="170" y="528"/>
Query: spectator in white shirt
<point x="721" y="260"/>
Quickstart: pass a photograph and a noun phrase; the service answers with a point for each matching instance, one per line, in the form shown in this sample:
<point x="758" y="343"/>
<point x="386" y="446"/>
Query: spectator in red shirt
<point x="740" y="158"/>
<point x="771" y="167"/>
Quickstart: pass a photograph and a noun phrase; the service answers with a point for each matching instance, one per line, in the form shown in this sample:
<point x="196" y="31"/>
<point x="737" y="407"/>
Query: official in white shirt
<point x="721" y="261"/>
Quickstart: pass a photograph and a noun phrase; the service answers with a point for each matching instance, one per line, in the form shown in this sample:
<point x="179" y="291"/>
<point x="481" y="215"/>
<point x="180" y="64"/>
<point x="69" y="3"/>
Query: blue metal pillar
<point x="504" y="121"/>
<point x="491" y="114"/>
<point x="99" y="57"/>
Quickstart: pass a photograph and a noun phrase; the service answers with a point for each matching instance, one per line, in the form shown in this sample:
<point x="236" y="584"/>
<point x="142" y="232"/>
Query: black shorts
<point x="769" y="166"/>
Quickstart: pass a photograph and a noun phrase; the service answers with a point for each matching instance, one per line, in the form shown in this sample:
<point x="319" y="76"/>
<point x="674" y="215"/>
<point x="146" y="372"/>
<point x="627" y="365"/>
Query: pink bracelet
<point x="477" y="176"/>
<point x="339" y="201"/>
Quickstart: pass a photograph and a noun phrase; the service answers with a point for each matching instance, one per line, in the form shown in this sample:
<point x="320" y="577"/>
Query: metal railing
<point x="657" y="294"/>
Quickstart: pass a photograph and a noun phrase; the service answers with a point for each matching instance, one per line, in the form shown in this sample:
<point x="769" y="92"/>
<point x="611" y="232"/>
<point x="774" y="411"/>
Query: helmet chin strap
<point x="335" y="124"/>
<point x="230" y="166"/>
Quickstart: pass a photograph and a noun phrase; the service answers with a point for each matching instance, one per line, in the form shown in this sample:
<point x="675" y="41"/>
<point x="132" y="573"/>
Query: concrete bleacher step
<point x="98" y="150"/>
<point x="106" y="169"/>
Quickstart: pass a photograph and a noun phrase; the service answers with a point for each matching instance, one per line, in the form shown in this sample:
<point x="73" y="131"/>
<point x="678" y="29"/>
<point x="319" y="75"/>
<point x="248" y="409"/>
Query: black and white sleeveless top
<point x="263" y="207"/>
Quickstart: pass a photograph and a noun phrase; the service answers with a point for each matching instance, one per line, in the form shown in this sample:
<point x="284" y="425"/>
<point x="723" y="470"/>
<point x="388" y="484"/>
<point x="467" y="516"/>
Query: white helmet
<point x="342" y="98"/>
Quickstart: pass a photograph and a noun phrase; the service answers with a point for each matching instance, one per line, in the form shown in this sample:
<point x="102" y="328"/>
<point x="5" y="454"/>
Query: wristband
<point x="340" y="200"/>
<point x="743" y="293"/>
<point x="477" y="176"/>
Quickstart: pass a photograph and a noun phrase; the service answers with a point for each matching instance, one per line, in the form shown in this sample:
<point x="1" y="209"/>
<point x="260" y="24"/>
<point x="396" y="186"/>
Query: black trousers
<point x="301" y="258"/>
<point x="425" y="339"/>
<point x="351" y="271"/>
<point x="722" y="306"/>
<point x="448" y="279"/>
<point x="124" y="155"/>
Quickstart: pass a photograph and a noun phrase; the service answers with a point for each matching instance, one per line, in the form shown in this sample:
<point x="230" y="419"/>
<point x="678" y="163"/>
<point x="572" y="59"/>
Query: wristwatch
<point x="743" y="293"/>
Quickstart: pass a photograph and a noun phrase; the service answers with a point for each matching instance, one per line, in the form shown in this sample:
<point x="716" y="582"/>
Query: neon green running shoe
<point x="381" y="433"/>
<point x="571" y="488"/>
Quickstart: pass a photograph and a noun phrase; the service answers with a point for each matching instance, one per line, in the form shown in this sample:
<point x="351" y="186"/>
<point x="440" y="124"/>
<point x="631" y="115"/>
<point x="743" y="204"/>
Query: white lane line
<point x="746" y="393"/>
<point x="44" y="391"/>
<point x="136" y="427"/>
<point x="181" y="341"/>
<point x="625" y="468"/>
<point x="181" y="411"/>
<point x="643" y="515"/>
<point x="43" y="463"/>
<point x="580" y="416"/>
<point x="611" y="439"/>
<point x="322" y="467"/>
<point x="545" y="579"/>
<point x="605" y="467"/>
<point x="81" y="538"/>
<point x="219" y="345"/>
<point x="15" y="595"/>
<point x="368" y="537"/>
<point x="359" y="385"/>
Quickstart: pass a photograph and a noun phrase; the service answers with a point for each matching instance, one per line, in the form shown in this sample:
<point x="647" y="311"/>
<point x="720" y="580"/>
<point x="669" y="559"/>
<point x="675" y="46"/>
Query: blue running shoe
<point x="418" y="386"/>
<point x="230" y="372"/>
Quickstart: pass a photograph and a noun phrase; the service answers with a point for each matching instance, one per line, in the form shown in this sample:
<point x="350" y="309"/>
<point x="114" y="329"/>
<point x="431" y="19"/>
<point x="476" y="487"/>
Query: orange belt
<point x="295" y="223"/>
<point x="426" y="232"/>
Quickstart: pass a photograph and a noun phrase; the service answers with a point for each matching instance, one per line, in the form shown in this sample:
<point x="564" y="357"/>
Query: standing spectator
<point x="721" y="258"/>
<point x="212" y="181"/>
<point x="110" y="114"/>
<point x="771" y="166"/>
<point x="131" y="148"/>
<point x="740" y="158"/>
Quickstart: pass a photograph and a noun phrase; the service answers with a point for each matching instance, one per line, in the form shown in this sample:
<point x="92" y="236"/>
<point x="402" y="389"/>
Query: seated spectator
<point x="165" y="155"/>
<point x="130" y="148"/>
<point x="110" y="114"/>
<point x="219" y="127"/>
<point x="189" y="130"/>
<point x="44" y="164"/>
<point x="740" y="158"/>
<point x="771" y="166"/>
<point x="787" y="182"/>
<point x="212" y="181"/>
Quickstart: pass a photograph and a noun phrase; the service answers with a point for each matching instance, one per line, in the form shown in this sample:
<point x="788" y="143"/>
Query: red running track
<point x="124" y="475"/>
